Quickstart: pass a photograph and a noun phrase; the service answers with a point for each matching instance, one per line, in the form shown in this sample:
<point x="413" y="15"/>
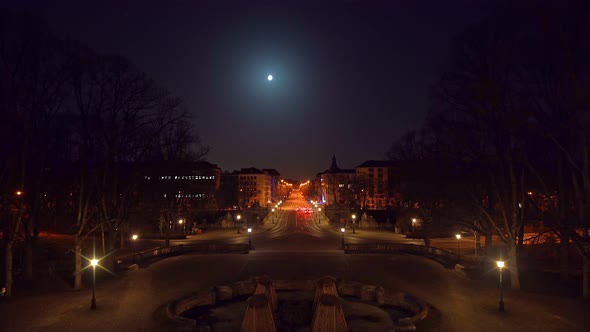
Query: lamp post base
<point x="501" y="306"/>
<point x="93" y="304"/>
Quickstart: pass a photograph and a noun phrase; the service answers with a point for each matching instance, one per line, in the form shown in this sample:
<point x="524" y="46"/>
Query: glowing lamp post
<point x="134" y="238"/>
<point x="353" y="221"/>
<point x="181" y="223"/>
<point x="458" y="236"/>
<point x="249" y="239"/>
<point x="319" y="212"/>
<point x="273" y="215"/>
<point x="238" y="217"/>
<point x="501" y="304"/>
<point x="342" y="230"/>
<point x="413" y="224"/>
<point x="93" y="262"/>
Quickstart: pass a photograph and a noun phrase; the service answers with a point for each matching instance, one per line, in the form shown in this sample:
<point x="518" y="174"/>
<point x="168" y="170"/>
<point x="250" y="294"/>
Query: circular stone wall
<point x="365" y="307"/>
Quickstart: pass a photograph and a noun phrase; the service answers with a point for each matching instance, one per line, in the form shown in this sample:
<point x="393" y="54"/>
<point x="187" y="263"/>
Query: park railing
<point x="445" y="257"/>
<point x="162" y="252"/>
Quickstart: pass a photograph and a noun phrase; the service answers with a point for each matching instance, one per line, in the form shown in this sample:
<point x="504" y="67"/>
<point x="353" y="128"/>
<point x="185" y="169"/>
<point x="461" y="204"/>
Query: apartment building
<point x="375" y="184"/>
<point x="254" y="187"/>
<point x="337" y="185"/>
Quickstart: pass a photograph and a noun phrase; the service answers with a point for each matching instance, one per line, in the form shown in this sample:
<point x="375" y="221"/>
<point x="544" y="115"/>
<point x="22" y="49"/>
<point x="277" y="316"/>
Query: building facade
<point x="254" y="187"/>
<point x="368" y="186"/>
<point x="193" y="185"/>
<point x="337" y="186"/>
<point x="275" y="180"/>
<point x="375" y="184"/>
<point x="228" y="198"/>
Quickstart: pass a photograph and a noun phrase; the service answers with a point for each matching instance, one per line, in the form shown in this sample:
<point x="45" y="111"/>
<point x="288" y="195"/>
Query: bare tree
<point x="32" y="77"/>
<point x="477" y="94"/>
<point x="555" y="83"/>
<point x="123" y="119"/>
<point x="87" y="100"/>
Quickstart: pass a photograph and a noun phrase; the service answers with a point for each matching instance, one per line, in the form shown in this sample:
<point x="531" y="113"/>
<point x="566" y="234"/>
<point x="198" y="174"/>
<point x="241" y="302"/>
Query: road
<point x="294" y="247"/>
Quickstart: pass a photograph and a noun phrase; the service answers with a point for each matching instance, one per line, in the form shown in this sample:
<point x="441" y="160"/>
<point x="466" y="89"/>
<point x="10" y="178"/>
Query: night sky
<point x="349" y="76"/>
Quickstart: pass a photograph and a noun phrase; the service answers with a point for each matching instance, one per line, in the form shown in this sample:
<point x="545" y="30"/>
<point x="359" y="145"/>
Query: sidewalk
<point x="211" y="234"/>
<point x="466" y="244"/>
<point x="208" y="234"/>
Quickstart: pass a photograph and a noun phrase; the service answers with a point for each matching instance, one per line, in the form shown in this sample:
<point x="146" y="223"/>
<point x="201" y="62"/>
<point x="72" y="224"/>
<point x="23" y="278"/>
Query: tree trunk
<point x="102" y="241"/>
<point x="78" y="259"/>
<point x="586" y="279"/>
<point x="427" y="240"/>
<point x="488" y="244"/>
<point x="110" y="259"/>
<point x="520" y="238"/>
<point x="122" y="238"/>
<point x="8" y="256"/>
<point x="477" y="244"/>
<point x="512" y="261"/>
<point x="563" y="256"/>
<point x="28" y="256"/>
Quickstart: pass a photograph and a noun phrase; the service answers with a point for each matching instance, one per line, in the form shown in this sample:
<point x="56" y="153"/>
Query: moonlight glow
<point x="269" y="77"/>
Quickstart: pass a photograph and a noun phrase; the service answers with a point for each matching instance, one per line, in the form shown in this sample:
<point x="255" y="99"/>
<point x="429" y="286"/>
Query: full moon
<point x="269" y="77"/>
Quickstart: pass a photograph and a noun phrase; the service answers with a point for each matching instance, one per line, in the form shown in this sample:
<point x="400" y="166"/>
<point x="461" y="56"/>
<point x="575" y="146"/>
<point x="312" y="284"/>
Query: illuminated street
<point x="295" y="248"/>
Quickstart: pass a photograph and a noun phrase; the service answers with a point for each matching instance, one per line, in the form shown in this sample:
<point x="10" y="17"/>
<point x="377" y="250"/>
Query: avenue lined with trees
<point x="505" y="146"/>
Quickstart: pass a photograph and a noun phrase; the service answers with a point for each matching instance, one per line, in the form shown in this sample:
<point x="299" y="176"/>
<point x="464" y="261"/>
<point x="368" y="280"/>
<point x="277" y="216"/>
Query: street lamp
<point x="249" y="239"/>
<point x="319" y="212"/>
<point x="342" y="230"/>
<point x="458" y="236"/>
<point x="353" y="221"/>
<point x="273" y="215"/>
<point x="413" y="224"/>
<point x="181" y="223"/>
<point x="238" y="217"/>
<point x="501" y="304"/>
<point x="134" y="238"/>
<point x="93" y="262"/>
